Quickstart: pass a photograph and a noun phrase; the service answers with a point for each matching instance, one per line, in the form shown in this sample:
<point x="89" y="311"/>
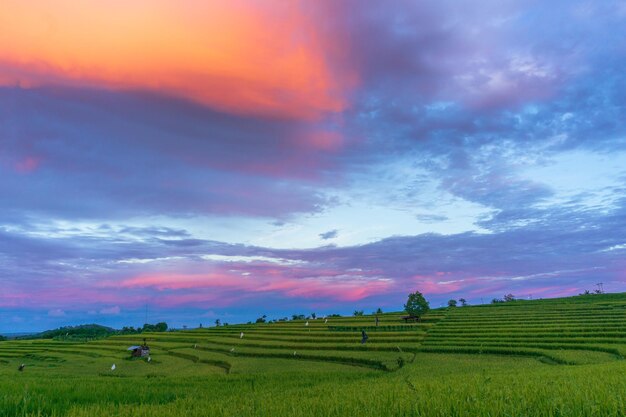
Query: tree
<point x="217" y="323"/>
<point x="463" y="302"/>
<point x="357" y="313"/>
<point x="509" y="297"/>
<point x="379" y="311"/>
<point x="313" y="316"/>
<point x="451" y="303"/>
<point x="261" y="319"/>
<point x="496" y="301"/>
<point x="416" y="305"/>
<point x="159" y="327"/>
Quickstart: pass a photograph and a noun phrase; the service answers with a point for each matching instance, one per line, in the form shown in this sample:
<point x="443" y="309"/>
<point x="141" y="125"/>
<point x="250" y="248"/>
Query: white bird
<point x="195" y="346"/>
<point x="325" y="321"/>
<point x="113" y="367"/>
<point x="241" y="335"/>
<point x="149" y="358"/>
<point x="294" y="353"/>
<point x="306" y="324"/>
<point x="232" y="350"/>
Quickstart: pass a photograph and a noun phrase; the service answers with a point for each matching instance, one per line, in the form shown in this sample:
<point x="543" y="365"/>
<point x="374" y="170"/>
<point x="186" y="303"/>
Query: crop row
<point x="517" y="331"/>
<point x="554" y="339"/>
<point x="343" y="347"/>
<point x="226" y="366"/>
<point x="456" y="317"/>
<point x="549" y="346"/>
<point x="346" y="360"/>
<point x="494" y="351"/>
<point x="299" y="333"/>
<point x="532" y="323"/>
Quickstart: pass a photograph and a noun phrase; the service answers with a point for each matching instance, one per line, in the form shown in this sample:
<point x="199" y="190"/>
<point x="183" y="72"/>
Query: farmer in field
<point x="376" y="321"/>
<point x="363" y="337"/>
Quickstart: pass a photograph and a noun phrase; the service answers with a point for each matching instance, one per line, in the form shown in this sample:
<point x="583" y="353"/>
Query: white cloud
<point x="57" y="312"/>
<point x="240" y="258"/>
<point x="111" y="310"/>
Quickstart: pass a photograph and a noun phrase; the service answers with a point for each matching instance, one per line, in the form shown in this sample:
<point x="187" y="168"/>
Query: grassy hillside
<point x="545" y="357"/>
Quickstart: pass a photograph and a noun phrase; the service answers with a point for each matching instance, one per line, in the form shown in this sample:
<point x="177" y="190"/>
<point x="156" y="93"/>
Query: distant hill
<point x="81" y="332"/>
<point x="85" y="332"/>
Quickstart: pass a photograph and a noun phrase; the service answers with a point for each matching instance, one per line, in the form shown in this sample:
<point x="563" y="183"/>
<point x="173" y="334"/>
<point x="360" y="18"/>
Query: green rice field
<point x="554" y="357"/>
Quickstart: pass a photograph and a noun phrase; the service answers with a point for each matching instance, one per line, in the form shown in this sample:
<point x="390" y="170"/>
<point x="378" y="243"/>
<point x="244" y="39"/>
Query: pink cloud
<point x="27" y="165"/>
<point x="250" y="280"/>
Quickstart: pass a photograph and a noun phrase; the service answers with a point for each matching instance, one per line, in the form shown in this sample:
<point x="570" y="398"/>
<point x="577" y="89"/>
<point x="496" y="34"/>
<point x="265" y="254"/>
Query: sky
<point x="198" y="160"/>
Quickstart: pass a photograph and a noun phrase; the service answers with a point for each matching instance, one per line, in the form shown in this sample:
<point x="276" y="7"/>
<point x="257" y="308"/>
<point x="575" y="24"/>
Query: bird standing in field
<point x="113" y="367"/>
<point x="149" y="359"/>
<point x="325" y="321"/>
<point x="21" y="368"/>
<point x="241" y="335"/>
<point x="306" y="324"/>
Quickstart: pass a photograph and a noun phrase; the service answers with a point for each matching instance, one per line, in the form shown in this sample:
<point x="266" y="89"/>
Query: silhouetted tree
<point x="463" y="302"/>
<point x="451" y="303"/>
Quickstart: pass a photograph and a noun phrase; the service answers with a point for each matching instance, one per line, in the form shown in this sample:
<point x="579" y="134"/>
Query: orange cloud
<point x="236" y="56"/>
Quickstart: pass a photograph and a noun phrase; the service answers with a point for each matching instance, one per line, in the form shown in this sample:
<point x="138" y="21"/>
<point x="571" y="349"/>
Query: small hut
<point x="140" y="351"/>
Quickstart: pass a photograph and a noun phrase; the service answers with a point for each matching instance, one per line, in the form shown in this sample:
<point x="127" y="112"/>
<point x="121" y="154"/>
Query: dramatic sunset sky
<point x="229" y="159"/>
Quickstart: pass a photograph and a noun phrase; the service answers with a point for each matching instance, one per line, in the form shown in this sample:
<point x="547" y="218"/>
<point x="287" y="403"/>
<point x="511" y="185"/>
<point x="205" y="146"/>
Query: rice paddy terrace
<point x="498" y="359"/>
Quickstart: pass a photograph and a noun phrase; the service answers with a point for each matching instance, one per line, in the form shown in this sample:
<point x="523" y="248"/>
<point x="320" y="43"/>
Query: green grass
<point x="558" y="357"/>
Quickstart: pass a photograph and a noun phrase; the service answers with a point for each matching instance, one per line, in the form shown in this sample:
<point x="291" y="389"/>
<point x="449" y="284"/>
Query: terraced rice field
<point x="580" y="330"/>
<point x="556" y="357"/>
